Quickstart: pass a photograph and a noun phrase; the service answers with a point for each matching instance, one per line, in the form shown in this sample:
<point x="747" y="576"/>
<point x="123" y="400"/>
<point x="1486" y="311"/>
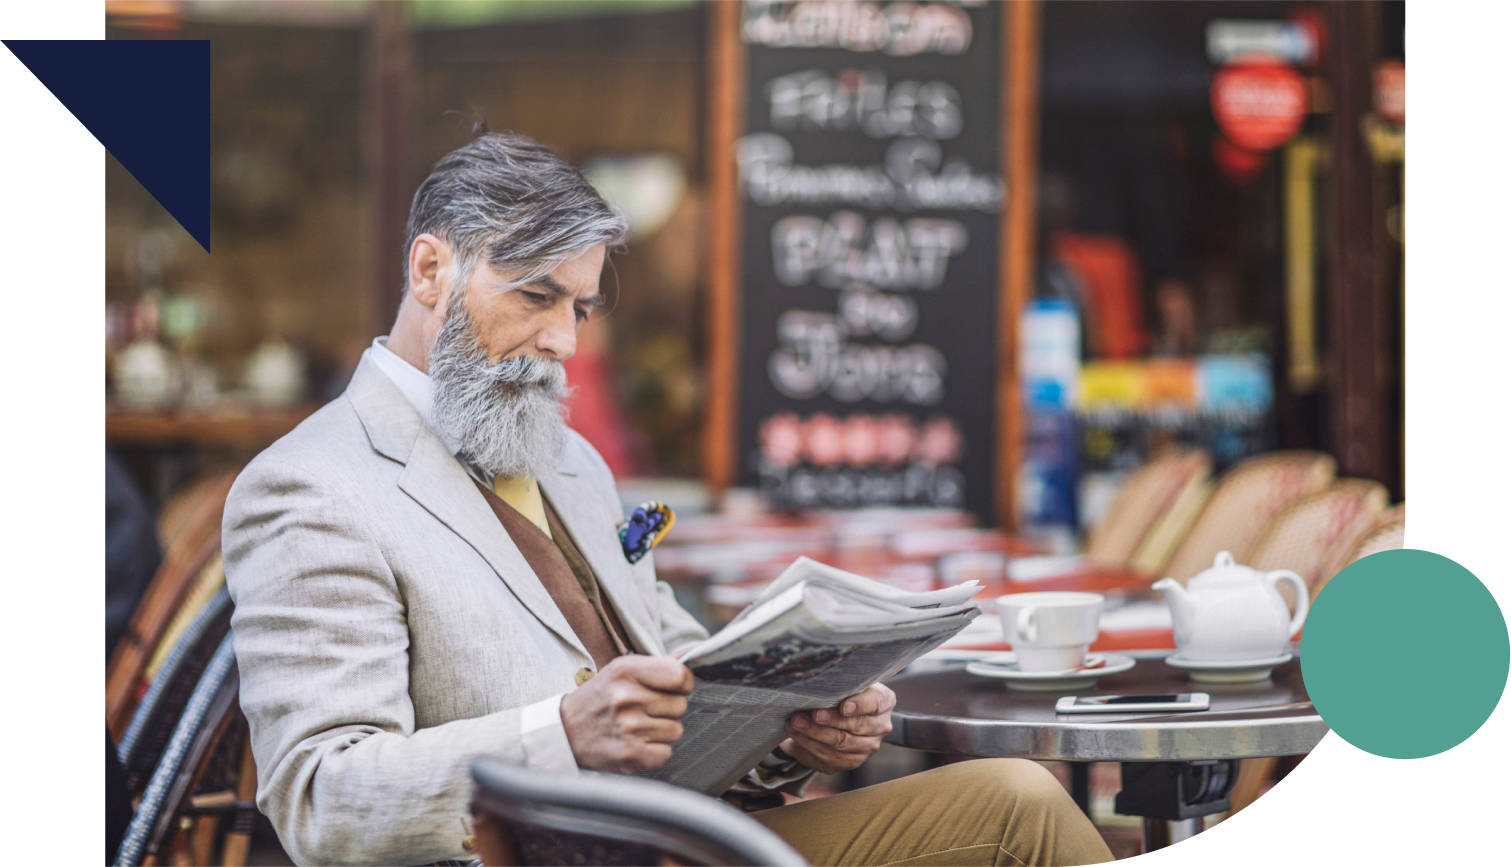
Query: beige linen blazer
<point x="387" y="630"/>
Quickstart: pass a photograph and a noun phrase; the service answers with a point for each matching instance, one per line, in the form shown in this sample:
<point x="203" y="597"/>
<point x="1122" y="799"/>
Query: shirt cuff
<point x="544" y="738"/>
<point x="782" y="775"/>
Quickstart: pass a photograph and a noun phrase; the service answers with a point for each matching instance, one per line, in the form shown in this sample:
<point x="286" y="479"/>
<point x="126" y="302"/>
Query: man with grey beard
<point x="428" y="570"/>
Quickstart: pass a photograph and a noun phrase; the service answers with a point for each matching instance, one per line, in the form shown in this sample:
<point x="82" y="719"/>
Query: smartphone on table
<point x="1133" y="703"/>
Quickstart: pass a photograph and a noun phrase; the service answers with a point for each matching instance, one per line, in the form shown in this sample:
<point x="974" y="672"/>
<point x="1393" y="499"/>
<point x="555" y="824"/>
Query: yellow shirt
<point x="523" y="495"/>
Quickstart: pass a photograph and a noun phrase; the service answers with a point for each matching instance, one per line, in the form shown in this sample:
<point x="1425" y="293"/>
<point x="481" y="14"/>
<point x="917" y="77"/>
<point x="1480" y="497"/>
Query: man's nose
<point x="558" y="338"/>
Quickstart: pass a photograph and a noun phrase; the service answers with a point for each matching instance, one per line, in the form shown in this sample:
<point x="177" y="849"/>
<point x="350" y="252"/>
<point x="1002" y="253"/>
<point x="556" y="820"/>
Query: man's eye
<point x="582" y="314"/>
<point x="534" y="297"/>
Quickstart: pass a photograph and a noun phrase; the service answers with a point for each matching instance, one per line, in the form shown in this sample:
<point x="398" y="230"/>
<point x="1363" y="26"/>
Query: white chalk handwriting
<point x="899" y="28"/>
<point x="915" y="176"/>
<point x="857" y="99"/>
<point x="815" y="357"/>
<point x="844" y="249"/>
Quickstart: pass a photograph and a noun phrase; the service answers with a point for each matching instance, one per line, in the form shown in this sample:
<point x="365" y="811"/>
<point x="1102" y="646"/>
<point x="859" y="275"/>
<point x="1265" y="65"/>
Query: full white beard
<point x="508" y="417"/>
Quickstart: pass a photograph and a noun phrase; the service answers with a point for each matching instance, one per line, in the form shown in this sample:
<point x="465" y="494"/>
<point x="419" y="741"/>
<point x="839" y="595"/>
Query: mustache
<point x="527" y="372"/>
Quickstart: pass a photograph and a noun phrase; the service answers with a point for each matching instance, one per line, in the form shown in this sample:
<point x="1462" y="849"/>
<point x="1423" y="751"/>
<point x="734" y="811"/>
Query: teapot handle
<point x="1303" y="595"/>
<point x="1026" y="629"/>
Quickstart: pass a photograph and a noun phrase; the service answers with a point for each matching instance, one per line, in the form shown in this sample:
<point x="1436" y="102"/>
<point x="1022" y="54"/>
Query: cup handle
<point x="1026" y="629"/>
<point x="1303" y="595"/>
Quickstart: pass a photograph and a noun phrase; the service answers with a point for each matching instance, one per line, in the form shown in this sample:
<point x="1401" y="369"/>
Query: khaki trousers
<point x="985" y="811"/>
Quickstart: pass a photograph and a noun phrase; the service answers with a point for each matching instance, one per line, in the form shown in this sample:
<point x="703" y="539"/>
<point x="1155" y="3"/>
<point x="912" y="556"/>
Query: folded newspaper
<point x="815" y="636"/>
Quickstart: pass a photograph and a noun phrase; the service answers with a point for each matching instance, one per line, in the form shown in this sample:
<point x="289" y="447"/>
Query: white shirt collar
<point x="415" y="386"/>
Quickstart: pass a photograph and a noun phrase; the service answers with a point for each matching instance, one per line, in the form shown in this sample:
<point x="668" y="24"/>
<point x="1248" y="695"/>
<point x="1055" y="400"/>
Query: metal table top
<point x="949" y="710"/>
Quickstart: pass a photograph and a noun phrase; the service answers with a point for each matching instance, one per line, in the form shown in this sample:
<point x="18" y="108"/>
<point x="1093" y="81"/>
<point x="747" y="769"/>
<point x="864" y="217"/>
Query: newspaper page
<point x="815" y="637"/>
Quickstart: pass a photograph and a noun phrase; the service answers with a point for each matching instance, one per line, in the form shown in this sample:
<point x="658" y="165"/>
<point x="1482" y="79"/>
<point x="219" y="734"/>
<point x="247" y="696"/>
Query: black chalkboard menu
<point x="870" y="194"/>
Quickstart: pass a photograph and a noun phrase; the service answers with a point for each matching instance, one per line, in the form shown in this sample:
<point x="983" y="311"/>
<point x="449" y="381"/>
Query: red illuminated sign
<point x="1390" y="91"/>
<point x="1259" y="103"/>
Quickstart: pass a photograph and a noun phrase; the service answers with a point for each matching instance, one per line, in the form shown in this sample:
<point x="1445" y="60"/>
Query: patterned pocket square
<point x="645" y="529"/>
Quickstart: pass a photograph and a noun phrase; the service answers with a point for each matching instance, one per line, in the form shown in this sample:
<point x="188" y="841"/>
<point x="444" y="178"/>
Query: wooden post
<point x="726" y="74"/>
<point x="389" y="73"/>
<point x="1019" y="228"/>
<point x="1358" y="313"/>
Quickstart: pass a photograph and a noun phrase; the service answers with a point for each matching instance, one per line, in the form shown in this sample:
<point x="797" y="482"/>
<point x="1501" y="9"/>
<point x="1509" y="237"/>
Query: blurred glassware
<point x="200" y="390"/>
<point x="742" y="502"/>
<point x="117" y="327"/>
<point x="275" y="374"/>
<point x="180" y="318"/>
<point x="147" y="376"/>
<point x="645" y="188"/>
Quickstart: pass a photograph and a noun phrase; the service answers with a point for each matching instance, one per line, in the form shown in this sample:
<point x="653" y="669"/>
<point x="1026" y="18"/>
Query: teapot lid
<point x="1224" y="567"/>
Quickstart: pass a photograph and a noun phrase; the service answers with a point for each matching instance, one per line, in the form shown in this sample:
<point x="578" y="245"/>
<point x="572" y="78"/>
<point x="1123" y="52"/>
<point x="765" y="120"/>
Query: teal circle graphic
<point x="1405" y="654"/>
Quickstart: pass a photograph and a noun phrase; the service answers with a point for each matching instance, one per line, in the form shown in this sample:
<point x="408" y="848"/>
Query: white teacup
<point x="1051" y="630"/>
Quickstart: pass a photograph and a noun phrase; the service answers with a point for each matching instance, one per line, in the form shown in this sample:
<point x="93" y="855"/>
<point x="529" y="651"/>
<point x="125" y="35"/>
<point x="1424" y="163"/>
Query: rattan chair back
<point x="1248" y="497"/>
<point x="1146" y="497"/>
<point x="1388" y="533"/>
<point x="195" y="544"/>
<point x="520" y="817"/>
<point x="1348" y="550"/>
<point x="1384" y="537"/>
<point x="1307" y="536"/>
<point x="168" y="693"/>
<point x="201" y="776"/>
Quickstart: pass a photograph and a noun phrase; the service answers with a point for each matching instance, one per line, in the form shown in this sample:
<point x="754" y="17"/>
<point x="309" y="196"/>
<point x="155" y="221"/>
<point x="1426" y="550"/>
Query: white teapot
<point x="1232" y="612"/>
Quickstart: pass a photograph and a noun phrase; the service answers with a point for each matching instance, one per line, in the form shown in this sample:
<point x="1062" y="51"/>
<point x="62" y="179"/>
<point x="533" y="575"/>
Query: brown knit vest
<point x="574" y="590"/>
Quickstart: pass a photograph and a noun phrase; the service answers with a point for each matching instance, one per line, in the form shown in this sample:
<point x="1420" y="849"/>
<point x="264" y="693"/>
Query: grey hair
<point x="513" y="202"/>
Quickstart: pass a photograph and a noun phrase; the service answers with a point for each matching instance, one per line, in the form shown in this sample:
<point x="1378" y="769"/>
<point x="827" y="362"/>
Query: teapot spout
<point x="1180" y="602"/>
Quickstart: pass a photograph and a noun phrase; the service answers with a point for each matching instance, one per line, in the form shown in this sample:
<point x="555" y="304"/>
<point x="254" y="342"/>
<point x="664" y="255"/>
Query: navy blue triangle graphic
<point x="148" y="102"/>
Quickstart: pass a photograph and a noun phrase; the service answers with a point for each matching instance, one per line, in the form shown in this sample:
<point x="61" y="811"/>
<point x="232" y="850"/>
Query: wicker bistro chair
<point x="1385" y="536"/>
<point x="1146" y="499"/>
<point x="1249" y="496"/>
<point x="204" y="773"/>
<point x="526" y="818"/>
<point x="1307" y="537"/>
<point x="1387" y="533"/>
<point x="158" y="713"/>
<point x="190" y="525"/>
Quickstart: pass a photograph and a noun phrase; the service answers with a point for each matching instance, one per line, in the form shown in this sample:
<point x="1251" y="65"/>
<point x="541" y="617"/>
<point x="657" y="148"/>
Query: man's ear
<point x="427" y="256"/>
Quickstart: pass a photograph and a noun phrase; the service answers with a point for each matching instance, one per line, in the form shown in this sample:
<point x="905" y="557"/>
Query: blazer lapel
<point x="591" y="522"/>
<point x="438" y="482"/>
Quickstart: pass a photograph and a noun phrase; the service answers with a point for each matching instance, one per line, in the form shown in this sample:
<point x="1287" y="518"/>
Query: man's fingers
<point x="868" y="726"/>
<point x="667" y="705"/>
<point x="865" y="726"/>
<point x="822" y="757"/>
<point x="648" y="757"/>
<point x="838" y="739"/>
<point x="635" y="725"/>
<point x="811" y="753"/>
<point x="875" y="699"/>
<point x="661" y="673"/>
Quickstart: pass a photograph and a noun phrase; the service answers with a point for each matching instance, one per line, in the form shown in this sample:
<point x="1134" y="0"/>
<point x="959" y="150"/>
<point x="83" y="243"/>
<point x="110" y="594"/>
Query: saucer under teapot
<point x="1228" y="671"/>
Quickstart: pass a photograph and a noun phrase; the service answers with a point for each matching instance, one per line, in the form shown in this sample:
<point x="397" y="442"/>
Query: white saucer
<point x="1229" y="670"/>
<point x="1004" y="666"/>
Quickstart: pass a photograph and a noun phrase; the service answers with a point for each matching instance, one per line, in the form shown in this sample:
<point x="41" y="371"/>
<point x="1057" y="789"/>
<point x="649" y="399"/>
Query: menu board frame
<point x="1018" y="95"/>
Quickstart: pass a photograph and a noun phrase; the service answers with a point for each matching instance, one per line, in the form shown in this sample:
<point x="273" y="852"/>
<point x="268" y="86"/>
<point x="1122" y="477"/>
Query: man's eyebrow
<point x="555" y="287"/>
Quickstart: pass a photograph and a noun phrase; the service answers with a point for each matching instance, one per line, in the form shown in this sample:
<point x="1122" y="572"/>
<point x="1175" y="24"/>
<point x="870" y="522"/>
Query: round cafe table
<point x="943" y="708"/>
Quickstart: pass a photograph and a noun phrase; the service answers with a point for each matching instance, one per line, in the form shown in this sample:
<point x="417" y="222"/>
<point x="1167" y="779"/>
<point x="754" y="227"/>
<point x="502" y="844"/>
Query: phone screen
<point x="1127" y="699"/>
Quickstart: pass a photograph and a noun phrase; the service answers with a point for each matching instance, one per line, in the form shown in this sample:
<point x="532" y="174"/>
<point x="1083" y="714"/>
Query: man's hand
<point x="840" y="739"/>
<point x="625" y="719"/>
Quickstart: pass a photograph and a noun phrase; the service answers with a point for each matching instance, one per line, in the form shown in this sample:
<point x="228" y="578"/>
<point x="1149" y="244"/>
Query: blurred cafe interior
<point x="1050" y="295"/>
